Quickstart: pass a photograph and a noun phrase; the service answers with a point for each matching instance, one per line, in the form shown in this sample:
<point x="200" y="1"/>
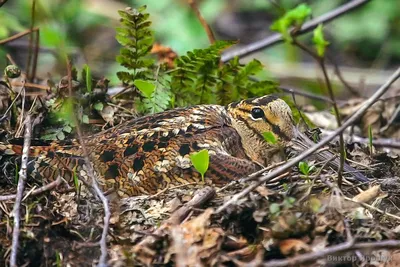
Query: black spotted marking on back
<point x="184" y="149"/>
<point x="131" y="140"/>
<point x="195" y="146"/>
<point x="190" y="128"/>
<point x="107" y="156"/>
<point x="138" y="163"/>
<point x="162" y="144"/>
<point x="112" y="172"/>
<point x="130" y="150"/>
<point x="50" y="154"/>
<point x="142" y="127"/>
<point x="149" y="146"/>
<point x="164" y="139"/>
<point x="104" y="141"/>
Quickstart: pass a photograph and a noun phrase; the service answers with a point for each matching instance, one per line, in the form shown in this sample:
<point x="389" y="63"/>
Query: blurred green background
<point x="362" y="42"/>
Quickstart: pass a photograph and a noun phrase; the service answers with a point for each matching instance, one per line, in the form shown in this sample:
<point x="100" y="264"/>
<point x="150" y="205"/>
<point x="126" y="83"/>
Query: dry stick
<point x="340" y="76"/>
<point x="90" y="171"/>
<point x="18" y="35"/>
<point x="20" y="190"/>
<point x="368" y="103"/>
<point x="344" y="247"/>
<point x="277" y="38"/>
<point x="203" y="22"/>
<point x="35" y="55"/>
<point x="29" y="59"/>
<point x="321" y="63"/>
<point x="2" y="2"/>
<point x="35" y="192"/>
<point x="379" y="142"/>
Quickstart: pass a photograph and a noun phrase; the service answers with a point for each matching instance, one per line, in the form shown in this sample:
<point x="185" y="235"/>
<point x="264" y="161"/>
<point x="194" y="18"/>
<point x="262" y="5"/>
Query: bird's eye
<point x="257" y="113"/>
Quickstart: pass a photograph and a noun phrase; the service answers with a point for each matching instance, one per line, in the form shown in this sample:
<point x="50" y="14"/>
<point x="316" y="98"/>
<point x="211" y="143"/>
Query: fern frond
<point x="137" y="40"/>
<point x="195" y="77"/>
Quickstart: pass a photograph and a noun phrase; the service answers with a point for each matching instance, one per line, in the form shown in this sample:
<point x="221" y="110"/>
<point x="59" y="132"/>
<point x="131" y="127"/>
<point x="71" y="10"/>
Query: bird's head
<point x="267" y="115"/>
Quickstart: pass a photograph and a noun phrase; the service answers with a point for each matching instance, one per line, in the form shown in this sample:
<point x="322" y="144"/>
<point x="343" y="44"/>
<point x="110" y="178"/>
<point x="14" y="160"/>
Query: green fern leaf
<point x="137" y="40"/>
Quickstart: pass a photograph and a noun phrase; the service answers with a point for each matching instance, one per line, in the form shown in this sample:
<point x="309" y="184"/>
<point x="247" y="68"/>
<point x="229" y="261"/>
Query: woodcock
<point x="149" y="153"/>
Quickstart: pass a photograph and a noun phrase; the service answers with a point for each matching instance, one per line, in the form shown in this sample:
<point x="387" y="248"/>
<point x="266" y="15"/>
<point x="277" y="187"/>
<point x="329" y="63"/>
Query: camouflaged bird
<point x="146" y="154"/>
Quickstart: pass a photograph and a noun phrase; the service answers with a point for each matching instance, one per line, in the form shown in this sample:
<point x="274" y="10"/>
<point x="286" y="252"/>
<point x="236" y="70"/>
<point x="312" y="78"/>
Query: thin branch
<point x="368" y="103"/>
<point x="340" y="76"/>
<point x="2" y="2"/>
<point x="203" y="22"/>
<point x="332" y="250"/>
<point x="309" y="26"/>
<point x="29" y="58"/>
<point x="20" y="190"/>
<point x="91" y="174"/>
<point x="18" y="35"/>
<point x="35" y="192"/>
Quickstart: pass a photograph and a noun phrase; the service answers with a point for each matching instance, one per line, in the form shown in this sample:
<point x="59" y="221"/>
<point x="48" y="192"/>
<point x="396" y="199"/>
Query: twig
<point x="367" y="206"/>
<point x="35" y="192"/>
<point x="2" y="2"/>
<point x="379" y="142"/>
<point x="29" y="58"/>
<point x="309" y="26"/>
<point x="18" y="35"/>
<point x="94" y="184"/>
<point x="203" y="22"/>
<point x="20" y="190"/>
<point x="368" y="103"/>
<point x="344" y="247"/>
<point x="340" y="76"/>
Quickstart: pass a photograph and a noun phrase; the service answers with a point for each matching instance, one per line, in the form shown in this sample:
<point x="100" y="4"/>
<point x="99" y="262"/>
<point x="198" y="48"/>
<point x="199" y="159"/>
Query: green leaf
<point x="200" y="161"/>
<point x="60" y="135"/>
<point x="67" y="129"/>
<point x="315" y="204"/>
<point x="274" y="208"/>
<point x="145" y="87"/>
<point x="88" y="78"/>
<point x="303" y="167"/>
<point x="76" y="180"/>
<point x="85" y="119"/>
<point x="294" y="17"/>
<point x="270" y="137"/>
<point x="319" y="40"/>
<point x="98" y="106"/>
<point x="370" y="139"/>
<point x="66" y="111"/>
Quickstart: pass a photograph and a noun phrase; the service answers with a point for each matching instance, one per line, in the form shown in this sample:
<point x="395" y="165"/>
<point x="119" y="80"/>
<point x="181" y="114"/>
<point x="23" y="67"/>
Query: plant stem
<point x="321" y="63"/>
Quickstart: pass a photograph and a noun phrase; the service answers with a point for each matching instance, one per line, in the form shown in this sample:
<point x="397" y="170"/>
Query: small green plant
<point x="153" y="99"/>
<point x="274" y="209"/>
<point x="76" y="180"/>
<point x="58" y="259"/>
<point x="315" y="204"/>
<point x="294" y="17"/>
<point x="319" y="40"/>
<point x="87" y="77"/>
<point x="370" y="138"/>
<point x="305" y="168"/>
<point x="200" y="161"/>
